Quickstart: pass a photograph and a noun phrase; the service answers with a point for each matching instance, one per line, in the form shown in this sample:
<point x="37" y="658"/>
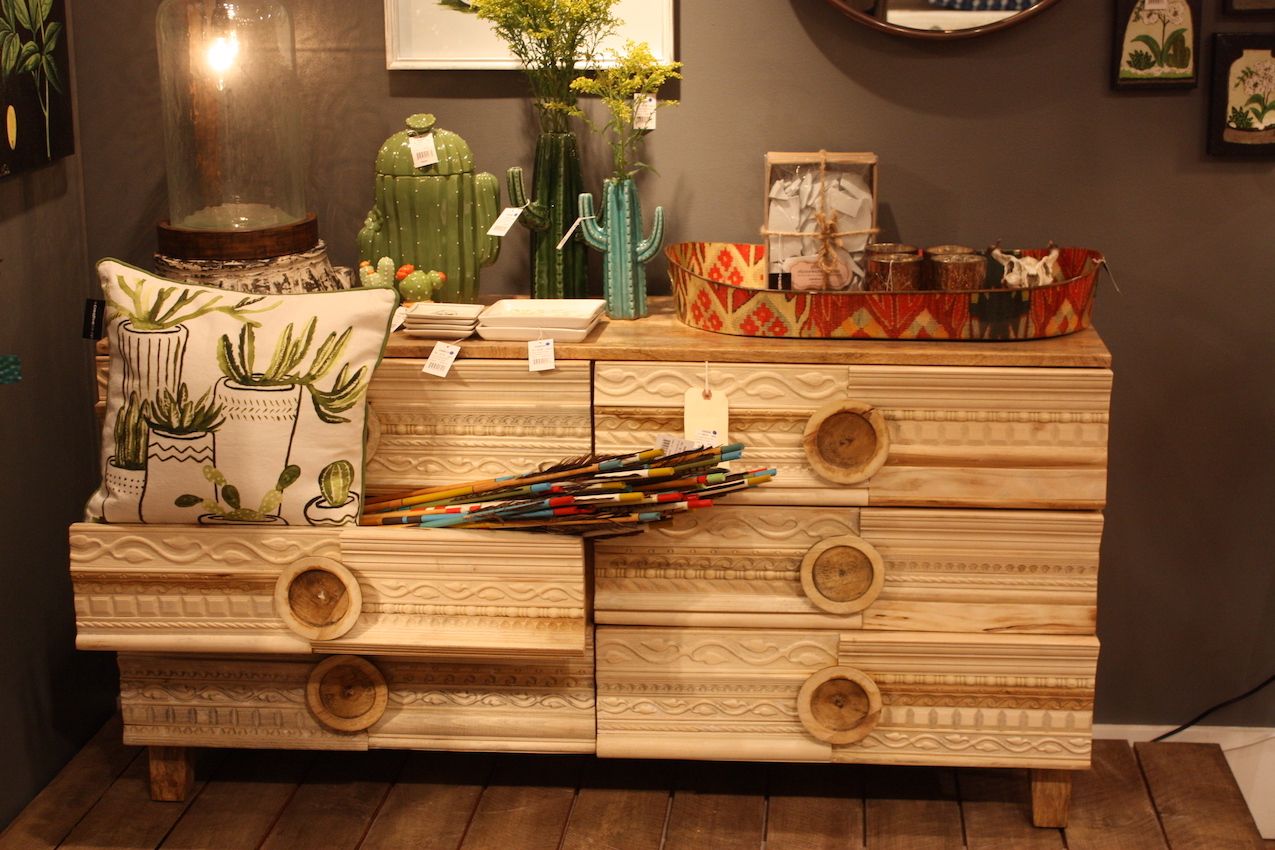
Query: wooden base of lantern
<point x="188" y="243"/>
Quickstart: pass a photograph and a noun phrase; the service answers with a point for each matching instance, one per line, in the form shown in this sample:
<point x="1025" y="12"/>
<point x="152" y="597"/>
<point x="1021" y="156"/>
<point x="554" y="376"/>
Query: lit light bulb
<point x="222" y="52"/>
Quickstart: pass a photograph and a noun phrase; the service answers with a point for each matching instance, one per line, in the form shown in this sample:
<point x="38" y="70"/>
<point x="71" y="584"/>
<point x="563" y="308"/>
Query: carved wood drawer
<point x="356" y="703"/>
<point x="486" y="419"/>
<point x="890" y="569"/>
<point x="300" y="590"/>
<point x="886" y="698"/>
<point x="885" y="435"/>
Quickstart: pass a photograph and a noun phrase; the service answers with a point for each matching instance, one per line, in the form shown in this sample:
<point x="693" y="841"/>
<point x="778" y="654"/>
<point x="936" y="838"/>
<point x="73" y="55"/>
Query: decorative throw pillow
<point x="225" y="407"/>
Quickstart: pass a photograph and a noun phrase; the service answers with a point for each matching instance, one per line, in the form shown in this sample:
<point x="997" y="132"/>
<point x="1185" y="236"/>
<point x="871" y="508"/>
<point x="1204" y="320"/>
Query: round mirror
<point x="941" y="18"/>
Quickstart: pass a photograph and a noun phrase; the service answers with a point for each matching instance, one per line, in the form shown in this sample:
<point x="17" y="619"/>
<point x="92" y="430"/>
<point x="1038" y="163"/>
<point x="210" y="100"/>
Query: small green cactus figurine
<point x="416" y="285"/>
<point x="380" y="276"/>
<point x="435" y="216"/>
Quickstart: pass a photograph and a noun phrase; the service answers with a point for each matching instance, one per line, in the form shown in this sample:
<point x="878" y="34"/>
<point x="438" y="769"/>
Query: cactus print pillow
<point x="225" y="407"/>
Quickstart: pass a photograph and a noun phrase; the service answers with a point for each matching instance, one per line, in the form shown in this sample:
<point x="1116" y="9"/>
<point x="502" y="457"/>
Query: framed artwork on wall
<point x="1242" y="108"/>
<point x="1156" y="44"/>
<point x="1243" y="7"/>
<point x="445" y="34"/>
<point x="35" y="94"/>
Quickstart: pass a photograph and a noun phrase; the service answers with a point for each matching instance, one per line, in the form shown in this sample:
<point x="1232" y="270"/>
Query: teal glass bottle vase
<point x="618" y="235"/>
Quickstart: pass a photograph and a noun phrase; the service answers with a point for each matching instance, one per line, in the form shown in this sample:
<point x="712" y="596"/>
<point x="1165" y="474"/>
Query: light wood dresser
<point x="917" y="586"/>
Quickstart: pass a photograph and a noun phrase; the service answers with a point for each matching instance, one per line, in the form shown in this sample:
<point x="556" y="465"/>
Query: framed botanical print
<point x="447" y="34"/>
<point x="1156" y="44"/>
<point x="1242" y="108"/>
<point x="35" y="92"/>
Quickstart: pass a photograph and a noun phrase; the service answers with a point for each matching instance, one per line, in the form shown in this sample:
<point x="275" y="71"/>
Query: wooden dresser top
<point x="661" y="337"/>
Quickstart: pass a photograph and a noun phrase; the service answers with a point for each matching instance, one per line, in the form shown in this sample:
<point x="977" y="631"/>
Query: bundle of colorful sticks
<point x="592" y="496"/>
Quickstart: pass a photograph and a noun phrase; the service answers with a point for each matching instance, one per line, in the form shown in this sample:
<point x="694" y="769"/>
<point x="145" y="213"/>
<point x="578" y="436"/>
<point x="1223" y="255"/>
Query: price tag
<point x="672" y="445"/>
<point x="441" y="359"/>
<point x="504" y="221"/>
<point x="566" y="237"/>
<point x="644" y="106"/>
<point x="424" y="150"/>
<point x="705" y="416"/>
<point x="540" y="355"/>
<point x="400" y="316"/>
<point x="706" y="439"/>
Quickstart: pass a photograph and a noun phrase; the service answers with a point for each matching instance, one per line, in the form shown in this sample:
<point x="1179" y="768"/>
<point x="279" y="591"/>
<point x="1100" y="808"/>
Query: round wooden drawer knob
<point x="846" y="441"/>
<point x="842" y="575"/>
<point x="346" y="693"/>
<point x="839" y="705"/>
<point x="318" y="598"/>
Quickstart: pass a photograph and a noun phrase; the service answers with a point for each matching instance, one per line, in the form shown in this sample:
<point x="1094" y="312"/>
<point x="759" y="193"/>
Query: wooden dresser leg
<point x="1051" y="797"/>
<point x="172" y="773"/>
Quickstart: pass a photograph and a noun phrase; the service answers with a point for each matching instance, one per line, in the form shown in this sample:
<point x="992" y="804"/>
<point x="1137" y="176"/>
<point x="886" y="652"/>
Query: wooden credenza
<point x="918" y="586"/>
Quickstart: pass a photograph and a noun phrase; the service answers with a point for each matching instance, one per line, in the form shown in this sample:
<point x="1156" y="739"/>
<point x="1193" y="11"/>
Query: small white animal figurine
<point x="1022" y="272"/>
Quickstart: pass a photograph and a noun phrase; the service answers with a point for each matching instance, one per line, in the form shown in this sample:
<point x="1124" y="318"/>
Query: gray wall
<point x="1015" y="136"/>
<point x="53" y="697"/>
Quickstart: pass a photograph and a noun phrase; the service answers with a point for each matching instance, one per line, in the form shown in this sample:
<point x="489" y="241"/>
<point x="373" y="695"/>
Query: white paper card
<point x="441" y="359"/>
<point x="424" y="150"/>
<point x="644" y="106"/>
<point x="706" y="439"/>
<point x="504" y="221"/>
<point x="572" y="229"/>
<point x="671" y="445"/>
<point x="540" y="355"/>
<point x="400" y="316"/>
<point x="703" y="416"/>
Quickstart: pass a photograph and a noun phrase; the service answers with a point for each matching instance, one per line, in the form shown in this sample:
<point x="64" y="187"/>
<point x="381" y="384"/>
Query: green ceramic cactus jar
<point x="435" y="217"/>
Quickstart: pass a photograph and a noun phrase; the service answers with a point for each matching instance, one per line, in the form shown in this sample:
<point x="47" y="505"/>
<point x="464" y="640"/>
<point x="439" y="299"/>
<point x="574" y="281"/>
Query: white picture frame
<point x="425" y="34"/>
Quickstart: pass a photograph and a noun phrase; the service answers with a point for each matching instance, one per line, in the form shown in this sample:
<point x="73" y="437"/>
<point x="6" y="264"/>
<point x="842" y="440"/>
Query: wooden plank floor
<point x="1157" y="796"/>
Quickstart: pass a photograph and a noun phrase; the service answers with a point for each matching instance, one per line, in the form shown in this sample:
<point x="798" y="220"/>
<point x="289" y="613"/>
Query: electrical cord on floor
<point x="1218" y="707"/>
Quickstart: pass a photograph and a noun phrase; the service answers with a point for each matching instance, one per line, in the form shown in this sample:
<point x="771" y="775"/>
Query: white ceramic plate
<point x="430" y="324"/>
<point x="566" y="313"/>
<point x="443" y="335"/>
<point x="446" y="312"/>
<point x="509" y="334"/>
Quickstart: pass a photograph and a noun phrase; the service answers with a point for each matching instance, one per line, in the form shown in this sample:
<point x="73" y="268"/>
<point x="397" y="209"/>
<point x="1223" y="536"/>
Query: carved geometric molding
<point x="944" y="570"/>
<point x="223" y="702"/>
<point x="956" y="699"/>
<point x="536" y="705"/>
<point x="165" y="588"/>
<point x="486" y="419"/>
<point x="424" y="593"/>
<point x="959" y="436"/>
<point x="442" y="592"/>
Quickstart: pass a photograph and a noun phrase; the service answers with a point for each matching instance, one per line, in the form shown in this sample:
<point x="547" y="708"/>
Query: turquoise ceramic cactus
<point x="625" y="253"/>
<point x="434" y="217"/>
<point x="549" y="214"/>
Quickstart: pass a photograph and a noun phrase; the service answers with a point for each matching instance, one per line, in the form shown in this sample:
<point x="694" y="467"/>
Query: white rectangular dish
<point x="514" y="334"/>
<point x="444" y="312"/>
<point x="566" y="313"/>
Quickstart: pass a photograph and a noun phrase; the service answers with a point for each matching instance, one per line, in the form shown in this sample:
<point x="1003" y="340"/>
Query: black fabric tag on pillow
<point x="94" y="318"/>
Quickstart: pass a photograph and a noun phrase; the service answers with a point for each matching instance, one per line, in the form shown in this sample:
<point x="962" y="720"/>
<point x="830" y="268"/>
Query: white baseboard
<point x="1250" y="750"/>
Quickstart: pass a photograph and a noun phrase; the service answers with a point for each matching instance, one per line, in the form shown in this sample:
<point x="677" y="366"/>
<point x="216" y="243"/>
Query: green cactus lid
<point x="395" y="157"/>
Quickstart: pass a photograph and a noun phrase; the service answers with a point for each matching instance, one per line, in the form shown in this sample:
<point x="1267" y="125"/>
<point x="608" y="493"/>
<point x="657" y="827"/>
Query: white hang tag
<point x="424" y="150"/>
<point x="540" y="355"/>
<point x="644" y="106"/>
<point x="672" y="445"/>
<point x="400" y="316"/>
<point x="705" y="415"/>
<point x="566" y="237"/>
<point x="505" y="221"/>
<point x="441" y="359"/>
